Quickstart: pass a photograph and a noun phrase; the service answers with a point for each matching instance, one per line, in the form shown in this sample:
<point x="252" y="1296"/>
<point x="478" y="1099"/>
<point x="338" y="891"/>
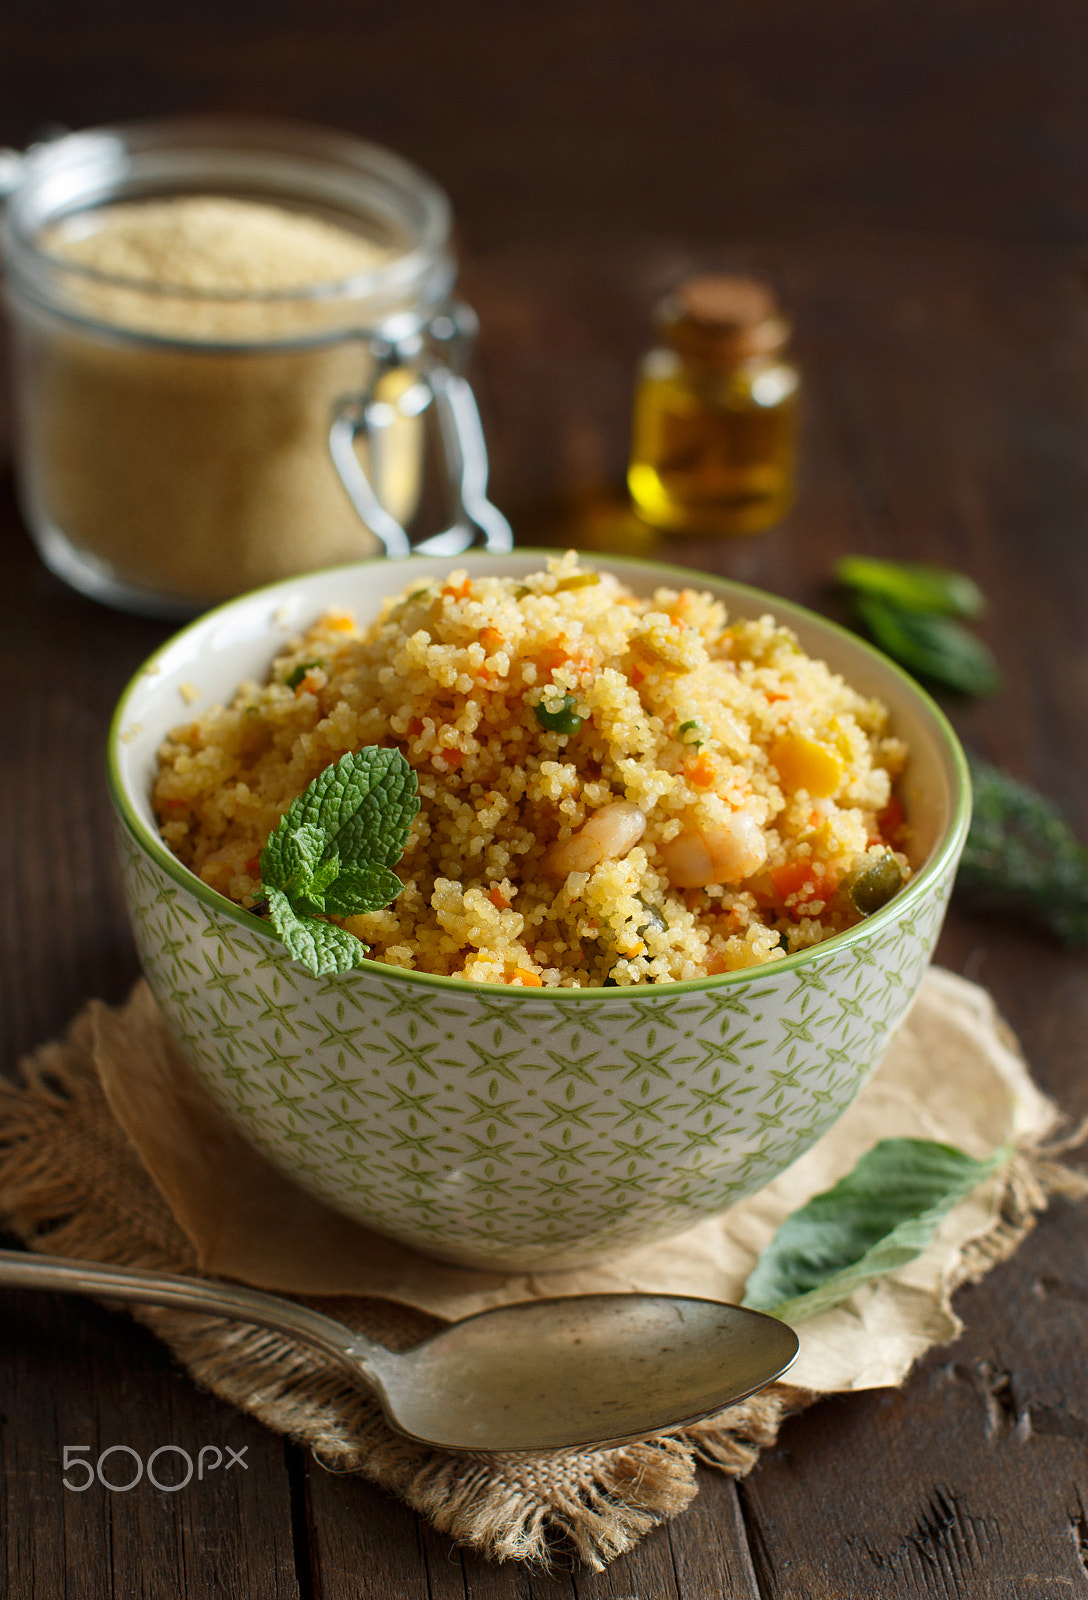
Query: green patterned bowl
<point x="507" y="1127"/>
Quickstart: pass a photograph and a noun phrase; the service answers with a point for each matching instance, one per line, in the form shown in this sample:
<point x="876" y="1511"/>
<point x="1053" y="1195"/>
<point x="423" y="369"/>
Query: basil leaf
<point x="935" y="647"/>
<point x="876" y="1219"/>
<point x="913" y="586"/>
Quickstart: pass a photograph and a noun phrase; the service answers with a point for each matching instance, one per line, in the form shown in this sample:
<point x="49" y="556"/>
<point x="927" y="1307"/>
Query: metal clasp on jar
<point x="439" y="382"/>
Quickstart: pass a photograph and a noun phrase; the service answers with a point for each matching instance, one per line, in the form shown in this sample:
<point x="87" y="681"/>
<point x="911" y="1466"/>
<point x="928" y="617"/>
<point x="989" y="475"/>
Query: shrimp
<point x="607" y="834"/>
<point x="715" y="852"/>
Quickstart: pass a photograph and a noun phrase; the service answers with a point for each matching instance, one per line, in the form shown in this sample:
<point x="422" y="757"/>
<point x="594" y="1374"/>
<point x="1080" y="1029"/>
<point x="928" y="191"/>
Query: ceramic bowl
<point x="497" y="1126"/>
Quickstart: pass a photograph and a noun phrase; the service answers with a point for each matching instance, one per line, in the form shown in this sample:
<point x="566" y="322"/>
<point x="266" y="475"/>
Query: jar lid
<point x="723" y="315"/>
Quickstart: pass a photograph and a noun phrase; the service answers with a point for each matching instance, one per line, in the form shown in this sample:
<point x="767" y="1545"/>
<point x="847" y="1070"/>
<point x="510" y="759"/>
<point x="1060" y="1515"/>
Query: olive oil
<point x="713" y="441"/>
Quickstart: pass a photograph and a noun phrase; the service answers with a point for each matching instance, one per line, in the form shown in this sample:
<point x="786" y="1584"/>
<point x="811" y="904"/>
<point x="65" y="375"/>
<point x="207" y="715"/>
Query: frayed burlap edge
<point x="71" y="1184"/>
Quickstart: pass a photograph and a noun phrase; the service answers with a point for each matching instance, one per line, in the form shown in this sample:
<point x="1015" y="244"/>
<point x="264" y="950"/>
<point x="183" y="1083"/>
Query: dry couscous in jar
<point x="195" y="303"/>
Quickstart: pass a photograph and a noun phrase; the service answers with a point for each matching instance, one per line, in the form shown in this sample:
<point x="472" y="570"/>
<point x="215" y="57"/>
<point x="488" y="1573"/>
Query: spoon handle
<point x="358" y="1355"/>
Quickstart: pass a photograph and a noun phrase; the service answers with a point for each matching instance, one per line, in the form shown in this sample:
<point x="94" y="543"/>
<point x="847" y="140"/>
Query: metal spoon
<point x="594" y="1369"/>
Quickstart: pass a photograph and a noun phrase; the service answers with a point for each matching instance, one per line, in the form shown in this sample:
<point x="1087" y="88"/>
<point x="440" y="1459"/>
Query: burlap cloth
<point x="110" y="1150"/>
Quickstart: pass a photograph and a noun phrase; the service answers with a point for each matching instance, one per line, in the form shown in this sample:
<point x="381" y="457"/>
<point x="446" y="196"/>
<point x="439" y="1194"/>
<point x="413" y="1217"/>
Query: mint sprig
<point x="333" y="855"/>
<point x="910" y="609"/>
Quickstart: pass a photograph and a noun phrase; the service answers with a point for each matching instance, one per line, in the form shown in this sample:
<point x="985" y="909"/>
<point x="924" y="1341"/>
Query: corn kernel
<point x="801" y="763"/>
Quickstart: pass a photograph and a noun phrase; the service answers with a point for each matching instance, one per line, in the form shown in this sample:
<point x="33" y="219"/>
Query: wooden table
<point x="914" y="180"/>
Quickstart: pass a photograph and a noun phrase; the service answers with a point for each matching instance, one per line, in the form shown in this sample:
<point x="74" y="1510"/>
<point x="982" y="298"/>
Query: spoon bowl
<point x="595" y="1369"/>
<point x="561" y="1374"/>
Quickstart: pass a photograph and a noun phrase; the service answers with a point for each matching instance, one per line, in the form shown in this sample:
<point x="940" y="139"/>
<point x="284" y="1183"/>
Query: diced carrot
<point x="458" y="591"/>
<point x="175" y="805"/>
<point x="796" y="878"/>
<point x="498" y="899"/>
<point x="452" y="757"/>
<point x="415" y="727"/>
<point x="716" y="962"/>
<point x="637" y="676"/>
<point x="526" y="979"/>
<point x="701" y="772"/>
<point x="773" y="695"/>
<point x="253" y="866"/>
<point x="566" y="654"/>
<point x="491" y="639"/>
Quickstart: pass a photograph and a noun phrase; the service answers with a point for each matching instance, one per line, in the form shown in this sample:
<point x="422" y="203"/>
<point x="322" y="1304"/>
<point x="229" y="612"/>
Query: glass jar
<point x="713" y="441"/>
<point x="174" y="445"/>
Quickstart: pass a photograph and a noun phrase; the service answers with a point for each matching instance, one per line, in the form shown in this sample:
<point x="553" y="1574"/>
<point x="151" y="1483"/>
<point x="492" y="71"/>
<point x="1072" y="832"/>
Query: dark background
<point x="914" y="179"/>
<point x="554" y="121"/>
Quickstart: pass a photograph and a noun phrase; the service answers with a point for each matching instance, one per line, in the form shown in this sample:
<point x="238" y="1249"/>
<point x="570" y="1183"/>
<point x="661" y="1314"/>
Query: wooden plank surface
<point x="974" y="1475"/>
<point x="76" y="1376"/>
<point x="915" y="181"/>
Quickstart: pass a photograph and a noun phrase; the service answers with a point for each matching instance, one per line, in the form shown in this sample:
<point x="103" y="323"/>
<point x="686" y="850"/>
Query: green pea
<point x="564" y="719"/>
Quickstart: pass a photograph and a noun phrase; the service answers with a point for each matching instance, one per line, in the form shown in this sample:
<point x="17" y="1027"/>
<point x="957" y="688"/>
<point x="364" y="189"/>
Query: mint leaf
<point x="333" y="852"/>
<point x="361" y="889"/>
<point x="294" y="858"/>
<point x="363" y="804"/>
<point x="321" y="947"/>
<point x="934" y="646"/>
<point x="876" y="1219"/>
<point x="913" y="586"/>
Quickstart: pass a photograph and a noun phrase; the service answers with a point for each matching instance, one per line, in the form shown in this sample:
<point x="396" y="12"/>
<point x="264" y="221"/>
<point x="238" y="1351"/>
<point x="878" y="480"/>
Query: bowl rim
<point x="946" y="849"/>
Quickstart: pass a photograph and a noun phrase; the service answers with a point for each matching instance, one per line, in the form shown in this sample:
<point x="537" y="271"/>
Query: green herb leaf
<point x="912" y="586"/>
<point x="333" y="852"/>
<point x="362" y="806"/>
<point x="935" y="647"/>
<point x="296" y="675"/>
<point x="321" y="947"/>
<point x="1022" y="858"/>
<point x="875" y="1220"/>
<point x="365" y="888"/>
<point x="564" y="719"/>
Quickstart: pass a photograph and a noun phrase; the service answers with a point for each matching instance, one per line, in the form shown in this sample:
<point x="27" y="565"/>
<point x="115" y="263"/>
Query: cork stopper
<point x="723" y="316"/>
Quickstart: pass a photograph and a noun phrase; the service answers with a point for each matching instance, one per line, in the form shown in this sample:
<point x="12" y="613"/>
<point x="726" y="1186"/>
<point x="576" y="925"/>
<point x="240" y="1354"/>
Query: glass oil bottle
<point x="714" y="435"/>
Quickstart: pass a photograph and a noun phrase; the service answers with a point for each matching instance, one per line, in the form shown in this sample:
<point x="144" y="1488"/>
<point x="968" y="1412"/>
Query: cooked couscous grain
<point x="613" y="790"/>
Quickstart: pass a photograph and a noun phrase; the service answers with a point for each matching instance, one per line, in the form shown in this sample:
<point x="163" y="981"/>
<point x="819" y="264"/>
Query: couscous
<point x="613" y="789"/>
